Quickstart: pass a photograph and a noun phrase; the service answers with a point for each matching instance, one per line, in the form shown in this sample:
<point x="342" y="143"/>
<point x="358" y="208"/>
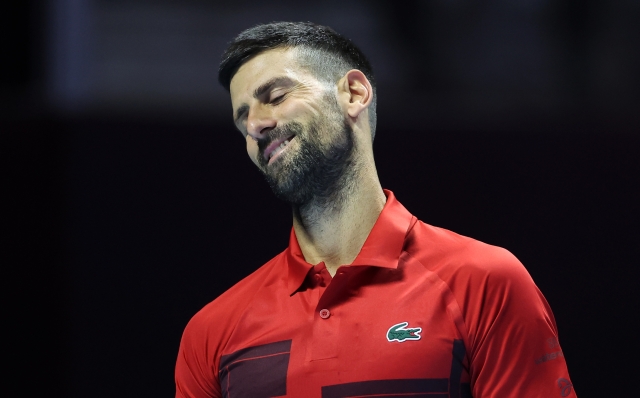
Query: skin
<point x="272" y="89"/>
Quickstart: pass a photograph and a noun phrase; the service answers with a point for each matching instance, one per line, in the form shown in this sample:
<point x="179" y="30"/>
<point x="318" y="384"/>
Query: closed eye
<point x="278" y="98"/>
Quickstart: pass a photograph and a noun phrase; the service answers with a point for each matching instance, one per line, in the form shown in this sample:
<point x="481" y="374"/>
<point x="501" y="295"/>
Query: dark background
<point x="130" y="202"/>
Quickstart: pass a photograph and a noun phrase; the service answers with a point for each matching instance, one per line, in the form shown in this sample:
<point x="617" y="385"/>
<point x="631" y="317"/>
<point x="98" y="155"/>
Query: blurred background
<point x="130" y="202"/>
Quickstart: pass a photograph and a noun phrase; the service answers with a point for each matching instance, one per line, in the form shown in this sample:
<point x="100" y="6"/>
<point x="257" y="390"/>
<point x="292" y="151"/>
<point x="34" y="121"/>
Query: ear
<point x="356" y="90"/>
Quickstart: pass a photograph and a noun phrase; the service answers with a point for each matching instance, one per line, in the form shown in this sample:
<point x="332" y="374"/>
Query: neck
<point x="333" y="230"/>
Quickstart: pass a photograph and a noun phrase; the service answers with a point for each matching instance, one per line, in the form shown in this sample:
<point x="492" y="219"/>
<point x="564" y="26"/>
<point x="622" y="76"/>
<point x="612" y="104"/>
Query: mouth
<point x="276" y="147"/>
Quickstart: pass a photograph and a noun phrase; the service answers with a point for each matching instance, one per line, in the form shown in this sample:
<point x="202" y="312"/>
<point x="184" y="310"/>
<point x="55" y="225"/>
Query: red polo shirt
<point x="421" y="311"/>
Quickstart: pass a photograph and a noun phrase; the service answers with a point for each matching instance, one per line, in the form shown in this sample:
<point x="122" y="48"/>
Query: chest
<point x="367" y="331"/>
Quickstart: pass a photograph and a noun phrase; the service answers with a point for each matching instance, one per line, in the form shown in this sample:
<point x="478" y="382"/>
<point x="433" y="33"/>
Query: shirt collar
<point x="382" y="248"/>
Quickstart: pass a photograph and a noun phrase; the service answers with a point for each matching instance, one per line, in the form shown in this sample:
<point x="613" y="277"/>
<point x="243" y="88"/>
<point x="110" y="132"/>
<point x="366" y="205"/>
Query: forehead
<point x="278" y="62"/>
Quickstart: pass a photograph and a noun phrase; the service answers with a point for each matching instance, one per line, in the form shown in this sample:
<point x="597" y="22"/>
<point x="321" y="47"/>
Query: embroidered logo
<point x="399" y="333"/>
<point x="565" y="387"/>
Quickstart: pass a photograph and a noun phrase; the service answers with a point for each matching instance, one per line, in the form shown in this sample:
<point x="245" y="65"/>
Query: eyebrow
<point x="258" y="92"/>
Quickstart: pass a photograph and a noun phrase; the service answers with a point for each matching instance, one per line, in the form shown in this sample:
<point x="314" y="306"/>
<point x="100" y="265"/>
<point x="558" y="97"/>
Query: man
<point x="366" y="300"/>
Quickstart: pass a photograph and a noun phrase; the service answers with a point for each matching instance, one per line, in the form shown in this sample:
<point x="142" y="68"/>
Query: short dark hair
<point x="323" y="51"/>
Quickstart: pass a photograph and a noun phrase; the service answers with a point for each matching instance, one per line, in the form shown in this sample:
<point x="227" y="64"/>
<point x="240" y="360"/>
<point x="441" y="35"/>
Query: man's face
<point x="295" y="130"/>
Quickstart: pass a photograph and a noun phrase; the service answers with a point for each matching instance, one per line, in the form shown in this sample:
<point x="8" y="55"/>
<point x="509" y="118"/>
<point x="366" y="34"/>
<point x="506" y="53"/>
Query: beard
<point x="317" y="172"/>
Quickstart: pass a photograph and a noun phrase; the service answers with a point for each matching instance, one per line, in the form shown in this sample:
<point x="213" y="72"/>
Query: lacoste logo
<point x="398" y="333"/>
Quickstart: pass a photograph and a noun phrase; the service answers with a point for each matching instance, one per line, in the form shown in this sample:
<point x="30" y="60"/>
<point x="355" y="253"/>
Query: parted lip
<point x="276" y="143"/>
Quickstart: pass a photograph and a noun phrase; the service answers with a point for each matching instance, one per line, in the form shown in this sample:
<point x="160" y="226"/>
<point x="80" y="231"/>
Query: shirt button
<point x="324" y="314"/>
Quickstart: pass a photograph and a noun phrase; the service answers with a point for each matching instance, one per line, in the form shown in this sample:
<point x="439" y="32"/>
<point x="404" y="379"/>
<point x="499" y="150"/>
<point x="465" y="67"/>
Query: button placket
<point x="326" y="328"/>
<point x="326" y="322"/>
<point x="325" y="313"/>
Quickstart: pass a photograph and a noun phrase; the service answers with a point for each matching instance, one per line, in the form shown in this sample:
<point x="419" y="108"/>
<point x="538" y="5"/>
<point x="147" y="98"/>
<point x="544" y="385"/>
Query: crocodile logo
<point x="399" y="333"/>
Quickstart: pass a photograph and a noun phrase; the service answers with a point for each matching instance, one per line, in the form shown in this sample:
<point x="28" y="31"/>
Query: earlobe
<point x="359" y="90"/>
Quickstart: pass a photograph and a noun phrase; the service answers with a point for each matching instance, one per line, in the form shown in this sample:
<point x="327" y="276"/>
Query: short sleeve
<point x="514" y="341"/>
<point x="195" y="374"/>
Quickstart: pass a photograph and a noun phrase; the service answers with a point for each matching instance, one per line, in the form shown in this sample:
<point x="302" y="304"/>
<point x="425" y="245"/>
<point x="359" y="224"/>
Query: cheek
<point x="252" y="150"/>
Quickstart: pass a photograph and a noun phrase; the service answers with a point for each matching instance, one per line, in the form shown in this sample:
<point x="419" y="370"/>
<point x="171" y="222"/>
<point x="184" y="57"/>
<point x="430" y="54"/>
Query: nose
<point x="259" y="121"/>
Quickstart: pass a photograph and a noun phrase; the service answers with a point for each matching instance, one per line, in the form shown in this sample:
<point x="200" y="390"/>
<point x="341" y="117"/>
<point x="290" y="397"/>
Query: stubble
<point x="317" y="176"/>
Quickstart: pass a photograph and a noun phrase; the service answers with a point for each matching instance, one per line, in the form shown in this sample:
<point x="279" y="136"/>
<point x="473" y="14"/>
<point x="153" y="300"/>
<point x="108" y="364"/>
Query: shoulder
<point x="229" y="305"/>
<point x="210" y="328"/>
<point x="490" y="285"/>
<point x="501" y="311"/>
<point x="485" y="280"/>
<point x="205" y="336"/>
<point x="453" y="256"/>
